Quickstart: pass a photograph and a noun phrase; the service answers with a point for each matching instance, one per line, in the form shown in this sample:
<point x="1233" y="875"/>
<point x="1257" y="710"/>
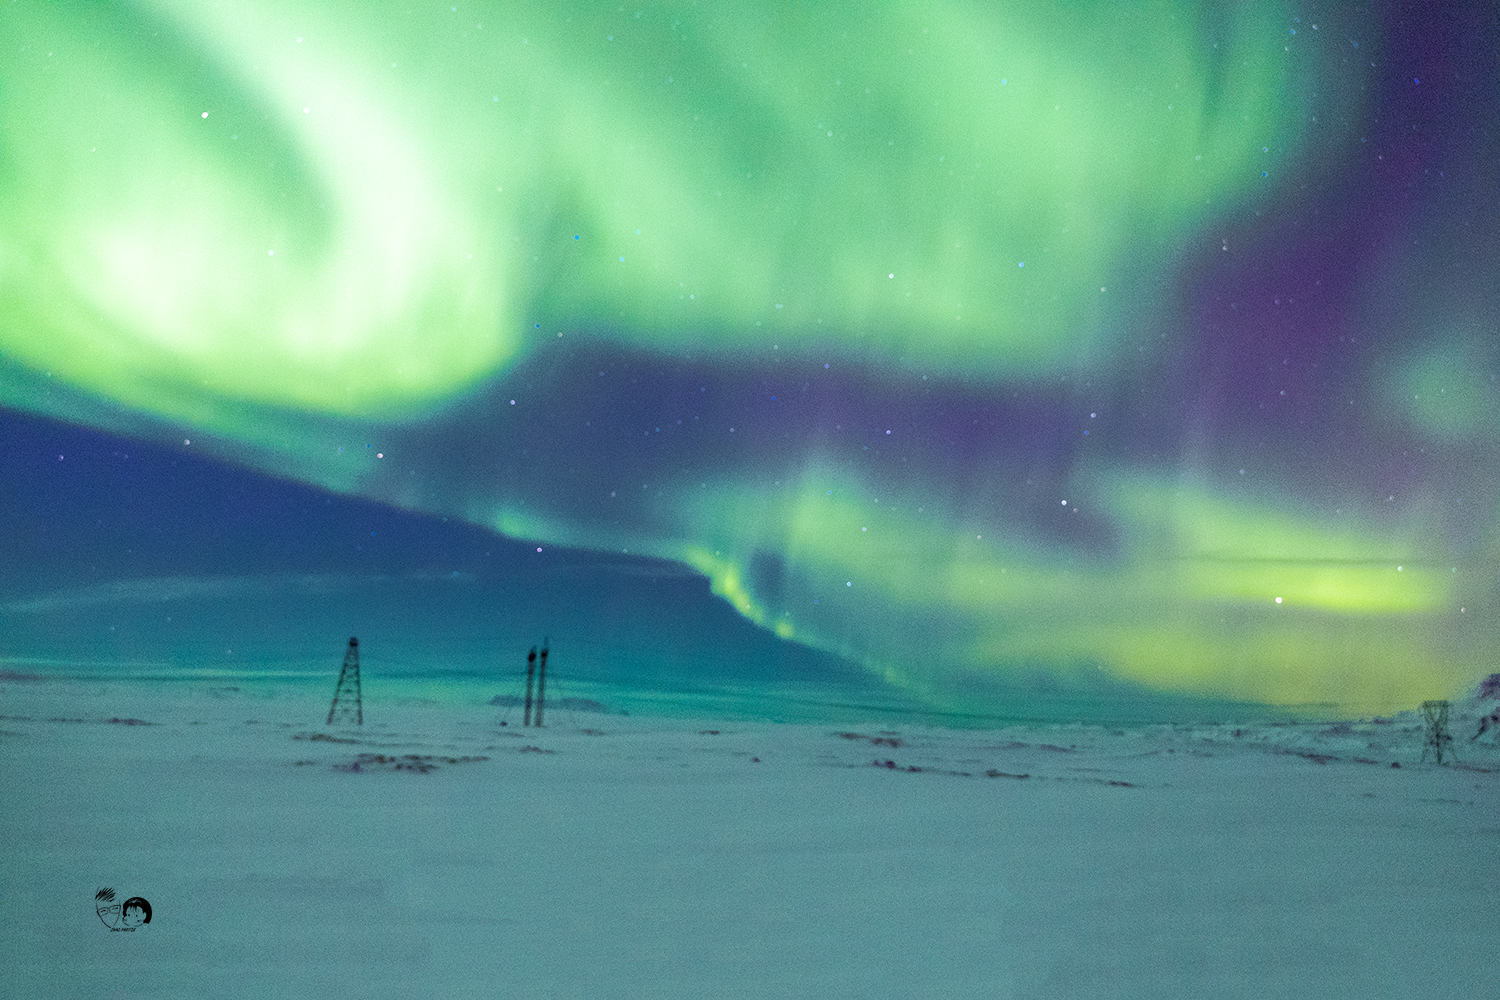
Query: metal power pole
<point x="530" y="676"/>
<point x="541" y="685"/>
<point x="1435" y="717"/>
<point x="348" y="690"/>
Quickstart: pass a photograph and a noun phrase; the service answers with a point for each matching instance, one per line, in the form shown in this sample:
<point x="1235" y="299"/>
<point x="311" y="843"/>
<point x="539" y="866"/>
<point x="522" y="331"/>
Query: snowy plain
<point x="433" y="852"/>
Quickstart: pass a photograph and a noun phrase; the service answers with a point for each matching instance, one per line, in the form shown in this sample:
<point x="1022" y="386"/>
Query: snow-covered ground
<point x="434" y="853"/>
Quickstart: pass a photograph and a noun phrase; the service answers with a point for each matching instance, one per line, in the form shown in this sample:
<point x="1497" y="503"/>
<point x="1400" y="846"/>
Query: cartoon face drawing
<point x="107" y="908"/>
<point x="136" y="912"/>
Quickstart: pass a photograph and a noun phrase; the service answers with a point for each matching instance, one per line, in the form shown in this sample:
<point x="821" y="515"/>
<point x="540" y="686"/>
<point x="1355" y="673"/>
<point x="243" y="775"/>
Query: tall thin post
<point x="541" y="685"/>
<point x="530" y="676"/>
<point x="347" y="691"/>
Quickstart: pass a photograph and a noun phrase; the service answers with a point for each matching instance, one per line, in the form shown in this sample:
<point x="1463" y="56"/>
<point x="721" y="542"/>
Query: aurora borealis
<point x="980" y="345"/>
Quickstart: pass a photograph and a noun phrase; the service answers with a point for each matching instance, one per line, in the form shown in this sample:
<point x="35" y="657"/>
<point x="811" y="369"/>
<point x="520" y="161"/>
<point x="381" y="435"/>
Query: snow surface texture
<point x="434" y="853"/>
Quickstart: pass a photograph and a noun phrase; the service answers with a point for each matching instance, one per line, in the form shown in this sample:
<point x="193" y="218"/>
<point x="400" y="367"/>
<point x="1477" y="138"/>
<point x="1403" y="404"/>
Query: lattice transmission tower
<point x="1437" y="737"/>
<point x="346" y="699"/>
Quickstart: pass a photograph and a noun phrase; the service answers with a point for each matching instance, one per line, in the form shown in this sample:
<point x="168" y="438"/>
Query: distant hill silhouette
<point x="571" y="704"/>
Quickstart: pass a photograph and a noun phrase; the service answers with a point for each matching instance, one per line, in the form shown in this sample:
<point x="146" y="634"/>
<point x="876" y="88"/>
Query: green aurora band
<point x="281" y="227"/>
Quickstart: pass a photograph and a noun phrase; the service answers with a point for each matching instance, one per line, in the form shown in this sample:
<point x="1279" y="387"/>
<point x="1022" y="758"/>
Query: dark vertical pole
<point x="359" y="698"/>
<point x="530" y="675"/>
<point x="541" y="684"/>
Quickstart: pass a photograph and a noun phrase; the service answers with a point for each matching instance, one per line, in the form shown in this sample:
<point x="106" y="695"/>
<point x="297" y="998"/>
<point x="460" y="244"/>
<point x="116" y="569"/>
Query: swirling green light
<point x="363" y="210"/>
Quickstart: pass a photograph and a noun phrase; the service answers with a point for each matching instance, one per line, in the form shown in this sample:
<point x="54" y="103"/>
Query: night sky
<point x="935" y="353"/>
